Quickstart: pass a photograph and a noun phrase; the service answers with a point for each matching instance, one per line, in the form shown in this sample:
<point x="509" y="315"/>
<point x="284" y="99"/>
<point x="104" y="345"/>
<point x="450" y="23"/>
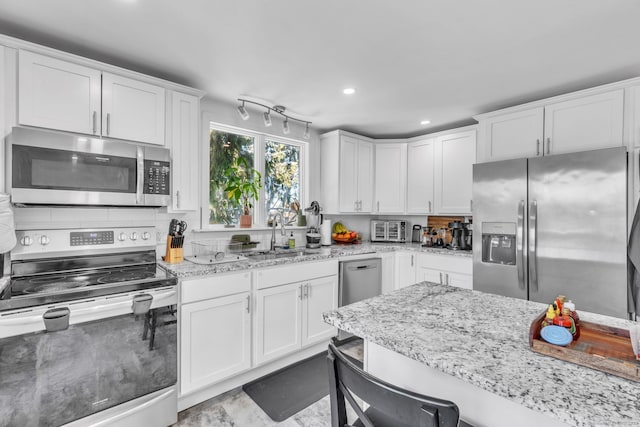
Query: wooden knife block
<point x="173" y="255"/>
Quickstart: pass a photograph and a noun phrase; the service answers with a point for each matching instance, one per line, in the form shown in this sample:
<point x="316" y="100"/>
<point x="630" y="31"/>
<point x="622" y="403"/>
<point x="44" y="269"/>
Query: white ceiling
<point x="442" y="60"/>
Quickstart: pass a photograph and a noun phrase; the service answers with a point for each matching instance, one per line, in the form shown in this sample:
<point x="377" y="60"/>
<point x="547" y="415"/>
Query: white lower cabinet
<point x="320" y="295"/>
<point x="278" y="318"/>
<point x="405" y="269"/>
<point x="446" y="270"/>
<point x="289" y="314"/>
<point x="215" y="329"/>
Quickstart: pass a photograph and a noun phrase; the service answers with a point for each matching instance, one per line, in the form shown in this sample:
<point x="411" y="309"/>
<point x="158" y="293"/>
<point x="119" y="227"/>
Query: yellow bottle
<point x="551" y="314"/>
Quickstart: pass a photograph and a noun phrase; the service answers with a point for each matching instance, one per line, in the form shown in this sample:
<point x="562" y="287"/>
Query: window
<point x="281" y="163"/>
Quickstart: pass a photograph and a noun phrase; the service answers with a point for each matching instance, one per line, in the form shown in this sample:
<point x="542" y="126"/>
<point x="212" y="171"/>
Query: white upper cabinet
<point x="586" y="123"/>
<point x="578" y="124"/>
<point x="132" y="109"/>
<point x="183" y="131"/>
<point x="455" y="155"/>
<point x="346" y="174"/>
<point x="62" y="95"/>
<point x="391" y="178"/>
<point x="515" y="135"/>
<point x="420" y="158"/>
<point x="58" y="95"/>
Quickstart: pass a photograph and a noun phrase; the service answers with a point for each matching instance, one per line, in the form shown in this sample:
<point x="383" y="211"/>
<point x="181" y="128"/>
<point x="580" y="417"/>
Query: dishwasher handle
<point x="363" y="267"/>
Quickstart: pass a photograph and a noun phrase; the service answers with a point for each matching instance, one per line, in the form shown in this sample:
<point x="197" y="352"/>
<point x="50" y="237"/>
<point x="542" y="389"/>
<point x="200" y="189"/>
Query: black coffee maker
<point x="459" y="233"/>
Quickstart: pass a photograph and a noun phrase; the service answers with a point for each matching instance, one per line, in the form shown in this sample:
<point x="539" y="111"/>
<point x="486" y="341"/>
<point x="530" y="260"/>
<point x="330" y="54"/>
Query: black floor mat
<point x="290" y="390"/>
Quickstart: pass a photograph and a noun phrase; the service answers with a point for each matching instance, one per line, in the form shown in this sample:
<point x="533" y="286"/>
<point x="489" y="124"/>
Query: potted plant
<point x="243" y="186"/>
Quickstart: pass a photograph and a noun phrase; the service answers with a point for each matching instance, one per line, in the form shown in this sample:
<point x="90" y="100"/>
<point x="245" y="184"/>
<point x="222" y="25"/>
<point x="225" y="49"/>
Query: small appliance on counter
<point x="314" y="222"/>
<point x="389" y="230"/>
<point x="459" y="233"/>
<point x="175" y="242"/>
<point x="416" y="233"/>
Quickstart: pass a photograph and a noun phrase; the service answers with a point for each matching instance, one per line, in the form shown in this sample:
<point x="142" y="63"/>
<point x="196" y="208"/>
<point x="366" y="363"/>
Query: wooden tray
<point x="605" y="348"/>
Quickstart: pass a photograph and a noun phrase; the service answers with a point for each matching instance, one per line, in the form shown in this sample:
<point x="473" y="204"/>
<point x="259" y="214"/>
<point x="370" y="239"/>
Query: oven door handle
<point x="24" y="323"/>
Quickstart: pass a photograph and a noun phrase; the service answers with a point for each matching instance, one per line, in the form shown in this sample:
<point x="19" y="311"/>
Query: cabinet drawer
<point x="215" y="286"/>
<point x="295" y="273"/>
<point x="455" y="264"/>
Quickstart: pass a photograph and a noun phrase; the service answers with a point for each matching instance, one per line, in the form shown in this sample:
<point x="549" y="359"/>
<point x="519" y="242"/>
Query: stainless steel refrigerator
<point x="553" y="225"/>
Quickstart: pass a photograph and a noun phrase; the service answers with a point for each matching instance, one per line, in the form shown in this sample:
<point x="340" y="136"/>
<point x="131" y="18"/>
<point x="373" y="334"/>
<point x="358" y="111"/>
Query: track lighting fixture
<point x="243" y="112"/>
<point x="279" y="109"/>
<point x="267" y="118"/>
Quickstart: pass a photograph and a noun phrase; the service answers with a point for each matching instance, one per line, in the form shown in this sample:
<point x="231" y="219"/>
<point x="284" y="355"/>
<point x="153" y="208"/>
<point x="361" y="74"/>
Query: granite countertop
<point x="189" y="269"/>
<point x="482" y="339"/>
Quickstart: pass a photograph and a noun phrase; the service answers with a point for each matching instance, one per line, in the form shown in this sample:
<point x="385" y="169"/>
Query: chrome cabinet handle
<point x="548" y="145"/>
<point x="360" y="205"/>
<point x="355" y="205"/>
<point x="411" y="260"/>
<point x="248" y="303"/>
<point x="520" y="261"/>
<point x="178" y="199"/>
<point x="95" y="121"/>
<point x="533" y="261"/>
<point x="537" y="147"/>
<point x="471" y="205"/>
<point x="429" y="206"/>
<point x="307" y="292"/>
<point x="378" y="207"/>
<point x="441" y="278"/>
<point x="301" y="292"/>
<point x="108" y="123"/>
<point x="446" y="278"/>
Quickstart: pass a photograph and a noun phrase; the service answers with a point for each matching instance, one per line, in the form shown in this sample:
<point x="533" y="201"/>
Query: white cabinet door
<point x="132" y="110"/>
<point x="215" y="340"/>
<point x="632" y="112"/>
<point x="185" y="111"/>
<point x="348" y="174"/>
<point x="420" y="162"/>
<point x="388" y="274"/>
<point x="365" y="176"/>
<point x="320" y="295"/>
<point x="586" y="123"/>
<point x="405" y="269"/>
<point x="277" y="321"/>
<point x="57" y="94"/>
<point x="455" y="156"/>
<point x="514" y="135"/>
<point x="391" y="178"/>
<point x="430" y="275"/>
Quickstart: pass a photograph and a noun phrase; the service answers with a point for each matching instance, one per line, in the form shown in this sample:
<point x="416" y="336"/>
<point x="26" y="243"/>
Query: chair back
<point x="386" y="401"/>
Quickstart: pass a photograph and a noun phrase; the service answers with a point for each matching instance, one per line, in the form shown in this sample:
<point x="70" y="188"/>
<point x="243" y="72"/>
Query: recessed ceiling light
<point x="349" y="91"/>
<point x="425" y="122"/>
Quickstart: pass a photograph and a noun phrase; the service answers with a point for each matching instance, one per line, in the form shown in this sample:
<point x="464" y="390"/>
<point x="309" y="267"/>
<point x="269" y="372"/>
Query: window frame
<point x="259" y="210"/>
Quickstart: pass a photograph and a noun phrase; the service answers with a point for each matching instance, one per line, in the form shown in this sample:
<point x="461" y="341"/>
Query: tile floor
<point x="236" y="409"/>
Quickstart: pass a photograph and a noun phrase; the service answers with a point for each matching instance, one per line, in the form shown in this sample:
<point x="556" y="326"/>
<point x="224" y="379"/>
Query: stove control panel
<point x="83" y="238"/>
<point x="100" y="240"/>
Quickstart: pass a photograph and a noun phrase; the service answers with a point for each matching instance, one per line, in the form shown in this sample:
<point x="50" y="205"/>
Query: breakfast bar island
<point x="472" y="348"/>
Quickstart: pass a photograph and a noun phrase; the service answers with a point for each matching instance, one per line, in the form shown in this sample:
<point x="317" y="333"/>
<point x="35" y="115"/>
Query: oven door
<point x="107" y="356"/>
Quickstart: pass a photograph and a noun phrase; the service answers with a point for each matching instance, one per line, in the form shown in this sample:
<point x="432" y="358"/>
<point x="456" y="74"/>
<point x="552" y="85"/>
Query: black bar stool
<point x="389" y="406"/>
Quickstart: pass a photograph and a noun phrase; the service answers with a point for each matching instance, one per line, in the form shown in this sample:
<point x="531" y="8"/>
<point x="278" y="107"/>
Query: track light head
<point x="307" y="133"/>
<point x="243" y="112"/>
<point x="285" y="126"/>
<point x="267" y="118"/>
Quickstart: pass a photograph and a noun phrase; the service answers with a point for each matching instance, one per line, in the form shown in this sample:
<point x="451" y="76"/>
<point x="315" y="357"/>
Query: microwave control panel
<point x="156" y="177"/>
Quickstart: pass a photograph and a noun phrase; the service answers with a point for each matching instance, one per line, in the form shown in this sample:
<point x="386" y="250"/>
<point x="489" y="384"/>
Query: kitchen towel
<point x="7" y="226"/>
<point x="633" y="265"/>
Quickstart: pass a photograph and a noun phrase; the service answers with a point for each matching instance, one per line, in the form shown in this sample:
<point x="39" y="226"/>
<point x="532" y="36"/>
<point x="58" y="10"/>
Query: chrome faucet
<point x="274" y="224"/>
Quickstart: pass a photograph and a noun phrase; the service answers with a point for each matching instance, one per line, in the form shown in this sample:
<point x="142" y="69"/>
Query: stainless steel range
<point x="88" y="331"/>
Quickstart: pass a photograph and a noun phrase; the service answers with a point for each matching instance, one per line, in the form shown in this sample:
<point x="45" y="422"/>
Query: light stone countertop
<point x="482" y="339"/>
<point x="188" y="269"/>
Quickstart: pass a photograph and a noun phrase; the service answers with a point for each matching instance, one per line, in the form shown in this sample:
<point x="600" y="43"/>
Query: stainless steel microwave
<point x="389" y="230"/>
<point x="57" y="168"/>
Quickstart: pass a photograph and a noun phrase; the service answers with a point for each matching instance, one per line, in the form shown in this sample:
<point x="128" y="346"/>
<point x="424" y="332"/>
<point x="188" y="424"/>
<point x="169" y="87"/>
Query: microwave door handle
<point x="140" y="176"/>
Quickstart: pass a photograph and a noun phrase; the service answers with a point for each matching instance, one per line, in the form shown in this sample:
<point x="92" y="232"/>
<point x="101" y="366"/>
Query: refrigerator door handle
<point x="533" y="261"/>
<point x="520" y="234"/>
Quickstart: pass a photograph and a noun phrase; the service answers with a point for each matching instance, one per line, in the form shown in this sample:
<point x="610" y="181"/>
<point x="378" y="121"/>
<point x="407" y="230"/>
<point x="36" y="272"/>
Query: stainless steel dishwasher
<point x="359" y="280"/>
